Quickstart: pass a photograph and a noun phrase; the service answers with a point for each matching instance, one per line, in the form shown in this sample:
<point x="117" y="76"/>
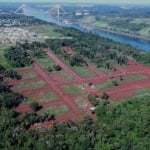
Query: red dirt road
<point x="52" y="84"/>
<point x="59" y="62"/>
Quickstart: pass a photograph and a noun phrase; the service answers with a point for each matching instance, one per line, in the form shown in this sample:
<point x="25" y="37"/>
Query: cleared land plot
<point x="81" y="102"/>
<point x="30" y="85"/>
<point x="111" y="83"/>
<point x="45" y="30"/>
<point x="60" y="75"/>
<point x="29" y="75"/>
<point x="56" y="75"/>
<point x="44" y="97"/>
<point x="56" y="110"/>
<point x="83" y="71"/>
<point x="73" y="89"/>
<point x="45" y="62"/>
<point x="66" y="75"/>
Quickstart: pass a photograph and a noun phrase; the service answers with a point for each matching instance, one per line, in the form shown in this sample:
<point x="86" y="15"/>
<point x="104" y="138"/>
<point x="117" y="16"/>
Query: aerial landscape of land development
<point x="74" y="75"/>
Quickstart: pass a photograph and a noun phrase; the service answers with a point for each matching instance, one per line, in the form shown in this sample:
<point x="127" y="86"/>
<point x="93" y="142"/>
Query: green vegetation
<point x="20" y="19"/>
<point x="83" y="71"/>
<point x="3" y="60"/>
<point x="93" y="100"/>
<point x="44" y="97"/>
<point x="34" y="106"/>
<point x="29" y="75"/>
<point x="22" y="54"/>
<point x="18" y="57"/>
<point x="45" y="62"/>
<point x="121" y="126"/>
<point x="46" y="30"/>
<point x="57" y="110"/>
<point x="31" y="85"/>
<point x="115" y="82"/>
<point x="81" y="102"/>
<point x="73" y="89"/>
<point x="66" y="75"/>
<point x="130" y="24"/>
<point x="141" y="92"/>
<point x="103" y="52"/>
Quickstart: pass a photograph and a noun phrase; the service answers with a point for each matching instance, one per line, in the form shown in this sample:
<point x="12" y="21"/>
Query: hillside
<point x="75" y="91"/>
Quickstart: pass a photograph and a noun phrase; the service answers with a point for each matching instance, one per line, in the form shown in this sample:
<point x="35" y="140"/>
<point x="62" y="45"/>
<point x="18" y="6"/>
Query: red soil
<point x="57" y="77"/>
<point x="75" y="113"/>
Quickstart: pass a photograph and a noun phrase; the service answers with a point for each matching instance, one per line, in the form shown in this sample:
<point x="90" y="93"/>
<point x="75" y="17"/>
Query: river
<point x="135" y="42"/>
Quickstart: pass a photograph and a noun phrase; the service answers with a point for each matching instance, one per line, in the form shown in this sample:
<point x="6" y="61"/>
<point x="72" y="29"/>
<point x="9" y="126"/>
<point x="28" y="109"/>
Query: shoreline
<point x="140" y="37"/>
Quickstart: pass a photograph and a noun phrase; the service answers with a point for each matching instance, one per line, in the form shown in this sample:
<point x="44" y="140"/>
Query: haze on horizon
<point x="85" y="1"/>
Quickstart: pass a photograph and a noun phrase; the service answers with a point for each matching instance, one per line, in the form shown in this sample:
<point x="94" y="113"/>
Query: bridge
<point x="55" y="11"/>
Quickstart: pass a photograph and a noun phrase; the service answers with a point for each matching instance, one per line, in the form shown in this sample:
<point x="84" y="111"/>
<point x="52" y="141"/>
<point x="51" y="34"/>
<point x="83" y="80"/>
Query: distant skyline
<point x="85" y="1"/>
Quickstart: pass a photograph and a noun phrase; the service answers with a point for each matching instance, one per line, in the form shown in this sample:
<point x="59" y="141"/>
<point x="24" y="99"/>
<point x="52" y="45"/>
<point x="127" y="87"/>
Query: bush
<point x="49" y="69"/>
<point x="35" y="106"/>
<point x="93" y="100"/>
<point x="115" y="83"/>
<point x="57" y="67"/>
<point x="105" y="96"/>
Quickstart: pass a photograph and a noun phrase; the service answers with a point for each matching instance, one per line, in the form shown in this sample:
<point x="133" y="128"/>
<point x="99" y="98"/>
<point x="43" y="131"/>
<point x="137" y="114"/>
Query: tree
<point x="105" y="96"/>
<point x="93" y="100"/>
<point x="115" y="83"/>
<point x="57" y="67"/>
<point x="35" y="106"/>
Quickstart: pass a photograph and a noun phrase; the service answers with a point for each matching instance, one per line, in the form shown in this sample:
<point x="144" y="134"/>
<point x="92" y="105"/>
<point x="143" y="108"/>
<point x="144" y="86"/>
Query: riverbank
<point x="125" y="34"/>
<point x="117" y="32"/>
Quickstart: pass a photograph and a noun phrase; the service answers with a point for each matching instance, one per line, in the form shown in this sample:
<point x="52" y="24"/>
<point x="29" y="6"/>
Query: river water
<point x="137" y="43"/>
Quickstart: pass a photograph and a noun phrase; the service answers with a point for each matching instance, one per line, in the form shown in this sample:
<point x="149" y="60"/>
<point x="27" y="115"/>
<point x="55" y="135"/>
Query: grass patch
<point x="106" y="85"/>
<point x="73" y="89"/>
<point x="29" y="75"/>
<point x="45" y="62"/>
<point x="57" y="110"/>
<point x="80" y="102"/>
<point x="44" y="97"/>
<point x="136" y="77"/>
<point x="66" y="75"/>
<point x="31" y="85"/>
<point x="45" y="30"/>
<point x="142" y="91"/>
<point x="84" y="71"/>
<point x="110" y="84"/>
